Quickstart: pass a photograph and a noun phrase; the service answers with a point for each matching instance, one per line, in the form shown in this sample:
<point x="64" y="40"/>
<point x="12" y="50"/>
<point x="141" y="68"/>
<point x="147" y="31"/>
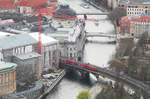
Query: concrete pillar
<point x="85" y="75"/>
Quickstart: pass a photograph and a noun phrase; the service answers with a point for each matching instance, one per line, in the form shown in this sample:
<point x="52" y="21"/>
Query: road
<point x="91" y="26"/>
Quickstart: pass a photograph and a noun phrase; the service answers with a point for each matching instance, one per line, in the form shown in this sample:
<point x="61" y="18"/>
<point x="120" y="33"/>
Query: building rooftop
<point x="7" y="4"/>
<point x="32" y="3"/>
<point x="28" y="55"/>
<point x="144" y="2"/>
<point x="64" y="10"/>
<point x="23" y="40"/>
<point x="44" y="38"/>
<point x="16" y="41"/>
<point x="4" y="66"/>
<point x="4" y="34"/>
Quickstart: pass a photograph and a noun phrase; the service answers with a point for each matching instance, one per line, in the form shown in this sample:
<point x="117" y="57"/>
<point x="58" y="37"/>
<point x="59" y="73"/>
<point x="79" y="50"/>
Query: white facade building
<point x="49" y="56"/>
<point x="70" y="33"/>
<point x="23" y="48"/>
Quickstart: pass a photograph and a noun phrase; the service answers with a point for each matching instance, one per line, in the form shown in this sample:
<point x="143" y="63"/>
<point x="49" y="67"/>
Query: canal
<point x="97" y="54"/>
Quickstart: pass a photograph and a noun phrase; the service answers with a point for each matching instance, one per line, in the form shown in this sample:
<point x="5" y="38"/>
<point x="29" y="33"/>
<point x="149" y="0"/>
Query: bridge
<point x="96" y="70"/>
<point x="110" y="35"/>
<point x="100" y="34"/>
<point x="103" y="13"/>
<point x="102" y="42"/>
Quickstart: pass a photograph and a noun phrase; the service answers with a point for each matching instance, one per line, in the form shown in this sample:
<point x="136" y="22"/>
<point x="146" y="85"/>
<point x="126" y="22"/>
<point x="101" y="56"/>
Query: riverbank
<point x="96" y="89"/>
<point x="41" y="88"/>
<point x="53" y="84"/>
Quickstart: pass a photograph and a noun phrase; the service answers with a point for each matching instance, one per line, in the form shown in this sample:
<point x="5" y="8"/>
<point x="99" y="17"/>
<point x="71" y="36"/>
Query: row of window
<point x="7" y="87"/>
<point x="137" y="6"/>
<point x="71" y="49"/>
<point x="134" y="9"/>
<point x="135" y="13"/>
<point x="22" y="50"/>
<point x="8" y="76"/>
<point x="72" y="55"/>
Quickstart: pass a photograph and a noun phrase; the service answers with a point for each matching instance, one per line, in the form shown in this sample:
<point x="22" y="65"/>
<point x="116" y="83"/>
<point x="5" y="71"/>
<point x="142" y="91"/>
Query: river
<point x="98" y="54"/>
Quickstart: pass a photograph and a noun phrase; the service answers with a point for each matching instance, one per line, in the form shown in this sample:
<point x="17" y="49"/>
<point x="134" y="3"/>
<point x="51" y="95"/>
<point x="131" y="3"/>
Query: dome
<point x="64" y="10"/>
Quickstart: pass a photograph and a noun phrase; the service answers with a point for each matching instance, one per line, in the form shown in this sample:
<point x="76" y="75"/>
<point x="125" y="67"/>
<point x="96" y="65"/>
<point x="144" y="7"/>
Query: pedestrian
<point x="85" y="16"/>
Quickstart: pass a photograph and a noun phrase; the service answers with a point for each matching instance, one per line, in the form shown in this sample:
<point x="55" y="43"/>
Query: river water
<point x="97" y="54"/>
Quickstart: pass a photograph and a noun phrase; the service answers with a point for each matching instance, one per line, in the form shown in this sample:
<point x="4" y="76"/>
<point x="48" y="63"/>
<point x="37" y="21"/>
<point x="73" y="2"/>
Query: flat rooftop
<point x="143" y="2"/>
<point x="28" y="55"/>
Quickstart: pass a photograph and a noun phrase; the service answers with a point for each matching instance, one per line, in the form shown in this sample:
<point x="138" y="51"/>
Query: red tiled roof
<point x="124" y="19"/>
<point x="46" y="11"/>
<point x="142" y="18"/>
<point x="32" y="3"/>
<point x="53" y="0"/>
<point x="8" y="4"/>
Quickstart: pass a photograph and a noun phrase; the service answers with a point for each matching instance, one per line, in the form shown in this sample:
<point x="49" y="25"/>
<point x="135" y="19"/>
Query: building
<point x="23" y="50"/>
<point x="140" y="25"/>
<point x="66" y="28"/>
<point x="24" y="6"/>
<point x="135" y="25"/>
<point x="112" y="4"/>
<point x="49" y="53"/>
<point x="135" y="7"/>
<point x="7" y="6"/>
<point x="7" y="78"/>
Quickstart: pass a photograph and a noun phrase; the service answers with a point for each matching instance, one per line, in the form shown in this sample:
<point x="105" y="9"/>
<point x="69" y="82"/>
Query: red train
<point x="75" y="63"/>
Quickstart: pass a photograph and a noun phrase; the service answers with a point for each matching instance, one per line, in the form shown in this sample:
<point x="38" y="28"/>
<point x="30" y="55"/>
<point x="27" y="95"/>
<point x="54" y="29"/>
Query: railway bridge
<point x="96" y="70"/>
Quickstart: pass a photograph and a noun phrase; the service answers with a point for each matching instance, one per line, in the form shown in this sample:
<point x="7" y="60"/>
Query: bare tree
<point x="25" y="77"/>
<point x="124" y="48"/>
<point x="116" y="15"/>
<point x="117" y="64"/>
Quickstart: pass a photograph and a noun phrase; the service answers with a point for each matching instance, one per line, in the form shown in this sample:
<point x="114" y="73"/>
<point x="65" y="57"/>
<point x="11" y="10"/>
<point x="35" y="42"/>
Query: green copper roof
<point x="4" y="66"/>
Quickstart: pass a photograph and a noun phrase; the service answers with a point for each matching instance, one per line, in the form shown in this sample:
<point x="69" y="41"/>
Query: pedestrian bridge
<point x="104" y="13"/>
<point x="100" y="34"/>
<point x="110" y="35"/>
<point x="96" y="70"/>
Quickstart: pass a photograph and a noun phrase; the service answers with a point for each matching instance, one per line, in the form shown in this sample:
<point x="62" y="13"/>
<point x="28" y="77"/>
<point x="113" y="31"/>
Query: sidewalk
<point x="96" y="89"/>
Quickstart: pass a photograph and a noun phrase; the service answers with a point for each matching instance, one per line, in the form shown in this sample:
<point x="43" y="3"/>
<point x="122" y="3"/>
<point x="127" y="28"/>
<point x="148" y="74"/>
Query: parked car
<point x="85" y="5"/>
<point x="131" y="91"/>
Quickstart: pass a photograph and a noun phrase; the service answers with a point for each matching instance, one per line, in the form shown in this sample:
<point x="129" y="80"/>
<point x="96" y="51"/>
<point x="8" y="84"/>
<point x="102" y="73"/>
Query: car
<point x="85" y="5"/>
<point x="131" y="91"/>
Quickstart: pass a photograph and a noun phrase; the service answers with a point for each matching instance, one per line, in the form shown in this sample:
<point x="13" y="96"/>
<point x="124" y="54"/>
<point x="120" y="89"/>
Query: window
<point x="0" y="90"/>
<point x="6" y="77"/>
<point x="1" y="56"/>
<point x="28" y="49"/>
<point x="1" y="77"/>
<point x="70" y="54"/>
<point x="7" y="89"/>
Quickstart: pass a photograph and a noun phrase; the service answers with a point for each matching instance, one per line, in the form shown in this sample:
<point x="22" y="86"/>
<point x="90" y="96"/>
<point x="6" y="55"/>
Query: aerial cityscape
<point x="74" y="49"/>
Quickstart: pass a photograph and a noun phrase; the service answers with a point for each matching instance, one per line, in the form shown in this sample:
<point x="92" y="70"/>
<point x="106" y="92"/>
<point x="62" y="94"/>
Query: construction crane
<point x="39" y="28"/>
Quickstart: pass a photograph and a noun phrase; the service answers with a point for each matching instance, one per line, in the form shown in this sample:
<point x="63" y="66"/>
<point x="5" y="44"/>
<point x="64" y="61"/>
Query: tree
<point x="25" y="77"/>
<point x="84" y="95"/>
<point x="117" y="65"/>
<point x="113" y="93"/>
<point x="125" y="47"/>
<point x="116" y="15"/>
